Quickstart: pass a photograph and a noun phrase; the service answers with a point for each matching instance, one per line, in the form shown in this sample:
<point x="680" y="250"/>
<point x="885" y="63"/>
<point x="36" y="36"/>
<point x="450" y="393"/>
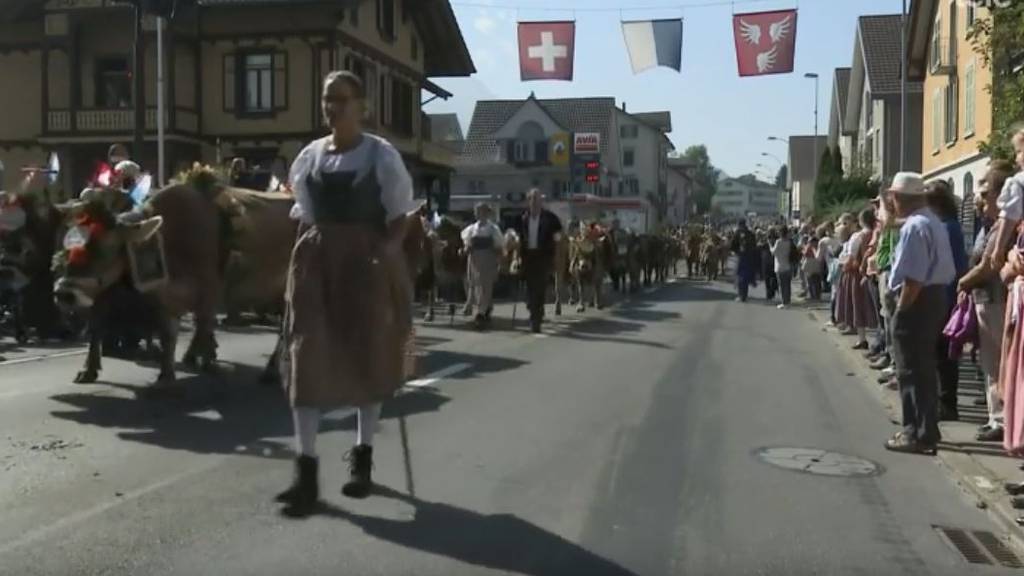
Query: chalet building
<point x="242" y="77"/>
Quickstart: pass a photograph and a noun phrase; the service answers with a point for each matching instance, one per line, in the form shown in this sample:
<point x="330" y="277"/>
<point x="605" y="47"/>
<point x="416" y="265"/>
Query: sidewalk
<point x="979" y="468"/>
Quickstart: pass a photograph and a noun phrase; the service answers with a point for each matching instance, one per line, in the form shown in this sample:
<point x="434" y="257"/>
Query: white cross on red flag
<point x="765" y="42"/>
<point x="546" y="50"/>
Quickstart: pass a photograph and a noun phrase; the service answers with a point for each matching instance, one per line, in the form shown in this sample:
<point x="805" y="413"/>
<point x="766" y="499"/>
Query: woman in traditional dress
<point x="348" y="299"/>
<point x="485" y="244"/>
<point x="855" y="308"/>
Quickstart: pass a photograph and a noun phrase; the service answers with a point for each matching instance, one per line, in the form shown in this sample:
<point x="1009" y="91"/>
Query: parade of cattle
<point x="121" y="265"/>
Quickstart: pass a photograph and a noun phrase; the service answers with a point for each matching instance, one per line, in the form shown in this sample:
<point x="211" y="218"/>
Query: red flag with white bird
<point x="765" y="42"/>
<point x="546" y="50"/>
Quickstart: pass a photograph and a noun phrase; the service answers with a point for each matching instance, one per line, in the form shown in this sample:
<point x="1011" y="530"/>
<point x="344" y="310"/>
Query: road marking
<point x="43" y="357"/>
<point x="983" y="483"/>
<point x="431" y="379"/>
<point x="41" y="532"/>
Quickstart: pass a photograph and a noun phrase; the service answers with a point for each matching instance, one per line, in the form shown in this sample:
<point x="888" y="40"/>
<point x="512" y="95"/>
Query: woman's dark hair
<point x="941" y="200"/>
<point x="867" y="218"/>
<point x="354" y="82"/>
<point x="999" y="171"/>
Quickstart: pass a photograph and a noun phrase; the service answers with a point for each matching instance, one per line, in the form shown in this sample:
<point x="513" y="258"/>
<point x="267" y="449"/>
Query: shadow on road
<point x="501" y="542"/>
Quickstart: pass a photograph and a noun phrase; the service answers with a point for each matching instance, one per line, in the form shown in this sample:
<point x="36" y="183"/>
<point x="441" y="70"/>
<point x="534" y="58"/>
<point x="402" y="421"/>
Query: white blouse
<point x="394" y="179"/>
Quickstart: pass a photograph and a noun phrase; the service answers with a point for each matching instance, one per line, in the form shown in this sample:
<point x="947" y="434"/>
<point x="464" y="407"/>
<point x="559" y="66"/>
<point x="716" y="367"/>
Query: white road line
<point x="43" y="357"/>
<point x="431" y="379"/>
<point x="41" y="532"/>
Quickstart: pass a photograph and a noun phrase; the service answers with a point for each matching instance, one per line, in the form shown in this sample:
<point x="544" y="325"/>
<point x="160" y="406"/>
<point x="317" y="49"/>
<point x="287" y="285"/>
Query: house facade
<point x="802" y="159"/>
<point x="873" y="118"/>
<point x="838" y="136"/>
<point x="740" y="197"/>
<point x="242" y="79"/>
<point x="515" y="145"/>
<point x="958" y="107"/>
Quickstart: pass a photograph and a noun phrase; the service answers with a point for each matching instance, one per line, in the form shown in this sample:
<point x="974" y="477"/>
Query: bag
<point x="962" y="327"/>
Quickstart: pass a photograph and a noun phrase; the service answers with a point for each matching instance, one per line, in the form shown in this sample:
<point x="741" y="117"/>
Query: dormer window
<point x="519" y="151"/>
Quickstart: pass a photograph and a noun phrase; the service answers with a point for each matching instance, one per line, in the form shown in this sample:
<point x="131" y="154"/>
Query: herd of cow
<point x="124" y="273"/>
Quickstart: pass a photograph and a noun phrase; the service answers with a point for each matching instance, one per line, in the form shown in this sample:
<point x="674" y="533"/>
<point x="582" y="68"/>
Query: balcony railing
<point x="117" y="120"/>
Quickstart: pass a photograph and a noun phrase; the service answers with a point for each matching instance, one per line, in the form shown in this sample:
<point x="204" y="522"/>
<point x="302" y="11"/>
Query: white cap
<point x="909" y="183"/>
<point x="128" y="169"/>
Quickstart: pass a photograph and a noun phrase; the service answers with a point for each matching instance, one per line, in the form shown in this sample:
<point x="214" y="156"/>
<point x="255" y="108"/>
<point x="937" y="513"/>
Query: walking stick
<point x="410" y="486"/>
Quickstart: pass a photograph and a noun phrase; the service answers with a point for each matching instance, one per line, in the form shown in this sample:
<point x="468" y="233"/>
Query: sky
<point x="709" y="102"/>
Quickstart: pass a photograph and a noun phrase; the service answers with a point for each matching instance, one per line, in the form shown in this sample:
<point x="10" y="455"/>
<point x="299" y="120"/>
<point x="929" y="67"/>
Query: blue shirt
<point x="923" y="253"/>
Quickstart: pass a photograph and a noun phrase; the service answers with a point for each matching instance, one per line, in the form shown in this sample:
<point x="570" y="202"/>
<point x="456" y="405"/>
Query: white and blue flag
<point x="653" y="43"/>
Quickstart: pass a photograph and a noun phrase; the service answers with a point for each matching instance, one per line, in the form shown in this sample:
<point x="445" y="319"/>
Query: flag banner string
<point x="765" y="44"/>
<point x="620" y="9"/>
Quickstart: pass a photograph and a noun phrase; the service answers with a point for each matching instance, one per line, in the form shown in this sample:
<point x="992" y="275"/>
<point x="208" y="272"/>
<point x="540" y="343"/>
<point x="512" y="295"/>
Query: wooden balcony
<point x="116" y="121"/>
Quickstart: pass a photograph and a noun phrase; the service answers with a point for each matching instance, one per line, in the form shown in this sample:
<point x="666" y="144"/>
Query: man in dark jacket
<point x="744" y="244"/>
<point x="539" y="231"/>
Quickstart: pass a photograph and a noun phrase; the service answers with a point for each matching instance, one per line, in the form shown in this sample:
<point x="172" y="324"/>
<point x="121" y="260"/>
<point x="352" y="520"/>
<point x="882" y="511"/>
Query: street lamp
<point x="777" y="139"/>
<point x="773" y="157"/>
<point x="814" y="76"/>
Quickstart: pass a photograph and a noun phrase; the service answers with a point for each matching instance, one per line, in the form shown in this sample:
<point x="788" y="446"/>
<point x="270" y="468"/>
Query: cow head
<point x="94" y="254"/>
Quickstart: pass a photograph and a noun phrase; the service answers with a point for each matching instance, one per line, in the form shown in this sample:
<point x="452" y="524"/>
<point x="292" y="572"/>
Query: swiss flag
<point x="546" y="50"/>
<point x="765" y="42"/>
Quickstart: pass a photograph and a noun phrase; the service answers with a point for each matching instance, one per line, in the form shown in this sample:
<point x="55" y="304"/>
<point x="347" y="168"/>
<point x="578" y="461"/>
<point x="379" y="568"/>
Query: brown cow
<point x="96" y="262"/>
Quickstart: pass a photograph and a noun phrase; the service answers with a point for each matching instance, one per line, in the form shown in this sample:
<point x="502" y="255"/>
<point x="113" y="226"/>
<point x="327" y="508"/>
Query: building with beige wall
<point x="243" y="78"/>
<point x="957" y="105"/>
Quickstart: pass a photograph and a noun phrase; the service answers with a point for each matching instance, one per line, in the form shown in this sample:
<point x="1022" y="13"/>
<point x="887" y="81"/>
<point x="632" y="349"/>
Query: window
<point x="386" y="19"/>
<point x="972" y="14"/>
<point x="559" y="188"/>
<point x="968" y="186"/>
<point x="631" y="187"/>
<point x="936" y="120"/>
<point x="628" y="158"/>
<point x="113" y="83"/>
<point x="969" y="99"/>
<point x="952" y="107"/>
<point x="953" y="31"/>
<point x="936" y="48"/>
<point x="396" y="106"/>
<point x="629" y="131"/>
<point x="540" y="151"/>
<point x="368" y="74"/>
<point x="255" y="82"/>
<point x="519" y="151"/>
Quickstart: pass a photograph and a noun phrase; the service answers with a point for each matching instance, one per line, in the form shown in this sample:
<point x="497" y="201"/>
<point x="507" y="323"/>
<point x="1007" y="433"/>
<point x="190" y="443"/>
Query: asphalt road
<point x="617" y="443"/>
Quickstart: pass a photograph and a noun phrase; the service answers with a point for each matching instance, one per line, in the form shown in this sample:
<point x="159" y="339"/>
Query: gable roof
<point x="879" y="37"/>
<point x="842" y="88"/>
<point x="660" y="120"/>
<point x="919" y="31"/>
<point x="575" y="114"/>
<point x="445" y="128"/>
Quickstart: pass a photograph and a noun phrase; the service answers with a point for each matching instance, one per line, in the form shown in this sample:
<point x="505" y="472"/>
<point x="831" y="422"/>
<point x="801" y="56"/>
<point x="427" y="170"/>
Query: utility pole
<point x="903" y="87"/>
<point x="139" y="90"/>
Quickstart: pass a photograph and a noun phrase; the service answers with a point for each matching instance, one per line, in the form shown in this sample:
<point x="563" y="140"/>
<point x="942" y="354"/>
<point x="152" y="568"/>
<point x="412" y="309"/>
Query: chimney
<point x="623" y="106"/>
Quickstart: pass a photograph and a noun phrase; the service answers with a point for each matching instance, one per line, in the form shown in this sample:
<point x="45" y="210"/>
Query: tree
<point x="705" y="177"/>
<point x="999" y="40"/>
<point x="837" y="162"/>
<point x="782" y="177"/>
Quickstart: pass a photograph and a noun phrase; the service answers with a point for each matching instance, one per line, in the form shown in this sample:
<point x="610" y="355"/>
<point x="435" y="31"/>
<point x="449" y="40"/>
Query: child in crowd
<point x="812" y="268"/>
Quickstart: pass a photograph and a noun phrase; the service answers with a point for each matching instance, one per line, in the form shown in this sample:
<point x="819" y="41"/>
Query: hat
<point x="909" y="183"/>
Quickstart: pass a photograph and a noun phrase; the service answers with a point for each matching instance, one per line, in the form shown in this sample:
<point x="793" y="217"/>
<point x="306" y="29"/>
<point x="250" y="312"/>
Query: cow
<point x="448" y="266"/>
<point x="95" y="266"/>
<point x="560" y="269"/>
<point x="588" y="261"/>
<point x="694" y="241"/>
<point x="258" y="231"/>
<point x="620" y="244"/>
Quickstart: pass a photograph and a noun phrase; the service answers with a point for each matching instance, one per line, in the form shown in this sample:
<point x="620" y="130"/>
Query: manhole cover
<point x="816" y="461"/>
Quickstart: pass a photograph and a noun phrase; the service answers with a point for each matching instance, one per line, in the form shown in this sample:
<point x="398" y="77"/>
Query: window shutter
<point x="230" y="87"/>
<point x="280" y="81"/>
<point x="510" y="148"/>
<point x="540" y="149"/>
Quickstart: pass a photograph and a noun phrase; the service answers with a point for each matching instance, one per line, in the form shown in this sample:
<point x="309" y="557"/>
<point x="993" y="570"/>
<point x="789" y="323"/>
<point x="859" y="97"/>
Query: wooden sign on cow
<point x="148" y="263"/>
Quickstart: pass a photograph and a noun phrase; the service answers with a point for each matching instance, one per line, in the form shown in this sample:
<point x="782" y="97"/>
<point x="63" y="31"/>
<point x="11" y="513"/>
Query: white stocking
<point x="307" y="424"/>
<point x="368" y="417"/>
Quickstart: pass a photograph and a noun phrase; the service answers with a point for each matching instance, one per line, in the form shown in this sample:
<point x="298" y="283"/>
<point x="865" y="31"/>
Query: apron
<point x="483" y="269"/>
<point x="348" y="315"/>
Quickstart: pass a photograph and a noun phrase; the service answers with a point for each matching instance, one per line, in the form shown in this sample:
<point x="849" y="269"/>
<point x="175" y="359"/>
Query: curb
<point x="963" y="468"/>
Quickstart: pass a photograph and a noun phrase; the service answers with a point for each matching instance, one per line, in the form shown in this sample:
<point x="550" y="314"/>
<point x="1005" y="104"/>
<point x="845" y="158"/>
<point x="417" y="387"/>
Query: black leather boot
<point x="360" y="467"/>
<point x="304" y="492"/>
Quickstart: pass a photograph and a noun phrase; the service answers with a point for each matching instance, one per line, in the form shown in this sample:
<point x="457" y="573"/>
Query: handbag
<point x="962" y="327"/>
